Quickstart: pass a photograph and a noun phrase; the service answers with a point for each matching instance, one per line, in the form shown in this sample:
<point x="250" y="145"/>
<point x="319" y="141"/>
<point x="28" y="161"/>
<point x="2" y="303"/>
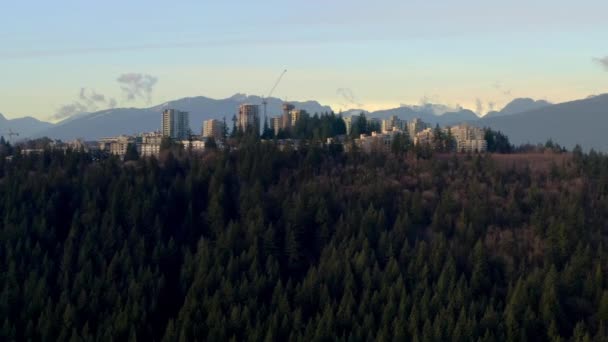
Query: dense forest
<point x="313" y="244"/>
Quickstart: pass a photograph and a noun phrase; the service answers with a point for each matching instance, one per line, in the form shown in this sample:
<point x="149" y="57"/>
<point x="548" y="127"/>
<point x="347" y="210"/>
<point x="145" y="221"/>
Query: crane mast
<point x="11" y="134"/>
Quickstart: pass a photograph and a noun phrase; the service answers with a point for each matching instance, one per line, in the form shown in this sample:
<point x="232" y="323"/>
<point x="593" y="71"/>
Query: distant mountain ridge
<point x="523" y="120"/>
<point x="581" y="122"/>
<point x="25" y="126"/>
<point x="519" y="105"/>
<point x="118" y="121"/>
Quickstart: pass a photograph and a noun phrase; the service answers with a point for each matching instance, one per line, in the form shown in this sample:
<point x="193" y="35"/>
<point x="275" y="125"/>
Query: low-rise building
<point x="469" y="138"/>
<point x="194" y="145"/>
<point x="116" y="145"/>
<point x="375" y="141"/>
<point x="149" y="150"/>
<point x="424" y="137"/>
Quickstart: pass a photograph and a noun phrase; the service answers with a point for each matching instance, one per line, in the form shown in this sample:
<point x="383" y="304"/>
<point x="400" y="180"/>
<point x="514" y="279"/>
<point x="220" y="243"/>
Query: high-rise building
<point x="213" y="129"/>
<point x="415" y="126"/>
<point x="286" y="121"/>
<point x="295" y="115"/>
<point x="175" y="124"/>
<point x="348" y="122"/>
<point x="276" y="124"/>
<point x="392" y="123"/>
<point x="249" y="118"/>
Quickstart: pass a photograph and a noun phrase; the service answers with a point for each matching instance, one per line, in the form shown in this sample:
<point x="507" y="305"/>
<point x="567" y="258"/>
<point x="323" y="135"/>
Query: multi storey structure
<point x="194" y="145"/>
<point x="276" y="124"/>
<point x="175" y="124"/>
<point x="116" y="145"/>
<point x="149" y="150"/>
<point x="348" y="122"/>
<point x="295" y="115"/>
<point x="424" y="137"/>
<point x="249" y="118"/>
<point x="286" y="118"/>
<point x="213" y="129"/>
<point x="469" y="138"/>
<point x="150" y="144"/>
<point x="375" y="141"/>
<point x="392" y="123"/>
<point x="416" y="126"/>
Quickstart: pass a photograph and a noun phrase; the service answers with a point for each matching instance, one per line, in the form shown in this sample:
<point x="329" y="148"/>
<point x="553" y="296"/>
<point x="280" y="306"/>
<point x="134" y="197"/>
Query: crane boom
<point x="276" y="84"/>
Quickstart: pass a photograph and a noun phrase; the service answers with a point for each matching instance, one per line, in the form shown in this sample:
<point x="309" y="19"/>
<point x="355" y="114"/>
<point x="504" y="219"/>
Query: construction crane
<point x="11" y="134"/>
<point x="264" y="100"/>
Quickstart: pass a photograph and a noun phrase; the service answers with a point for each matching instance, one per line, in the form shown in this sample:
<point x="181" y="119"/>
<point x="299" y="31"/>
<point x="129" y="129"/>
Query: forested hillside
<point x="310" y="245"/>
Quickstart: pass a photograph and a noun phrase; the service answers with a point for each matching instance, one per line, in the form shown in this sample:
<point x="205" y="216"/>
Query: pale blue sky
<point x="387" y="52"/>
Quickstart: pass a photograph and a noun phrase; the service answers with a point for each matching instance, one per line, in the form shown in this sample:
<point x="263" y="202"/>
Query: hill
<point x="269" y="244"/>
<point x="25" y="126"/>
<point x="409" y="113"/>
<point x="582" y="122"/>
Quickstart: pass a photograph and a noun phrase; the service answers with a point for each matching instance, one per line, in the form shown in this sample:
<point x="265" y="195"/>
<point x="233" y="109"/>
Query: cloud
<point x="94" y="100"/>
<point x="137" y="86"/>
<point x="88" y="101"/>
<point x="602" y="62"/>
<point x="479" y="107"/>
<point x="349" y="96"/>
<point x="431" y="105"/>
<point x="499" y="86"/>
<point x="68" y="110"/>
<point x="482" y="108"/>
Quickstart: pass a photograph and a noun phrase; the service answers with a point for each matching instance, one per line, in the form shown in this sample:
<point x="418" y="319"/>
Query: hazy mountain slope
<point x="581" y="122"/>
<point x="25" y="126"/>
<point x="105" y="123"/>
<point x="28" y="126"/>
<point x="133" y="120"/>
<point x="203" y="108"/>
<point x="408" y="113"/>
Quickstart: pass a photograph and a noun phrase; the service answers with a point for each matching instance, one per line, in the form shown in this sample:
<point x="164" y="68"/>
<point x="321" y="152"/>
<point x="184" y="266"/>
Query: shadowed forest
<point x="263" y="244"/>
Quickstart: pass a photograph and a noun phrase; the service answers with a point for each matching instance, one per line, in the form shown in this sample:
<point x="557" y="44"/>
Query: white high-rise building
<point x="175" y="124"/>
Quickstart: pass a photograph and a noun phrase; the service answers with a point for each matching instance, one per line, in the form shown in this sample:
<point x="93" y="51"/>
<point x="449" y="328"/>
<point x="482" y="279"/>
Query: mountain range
<point x="25" y="127"/>
<point x="519" y="106"/>
<point x="524" y="120"/>
<point x="582" y="122"/>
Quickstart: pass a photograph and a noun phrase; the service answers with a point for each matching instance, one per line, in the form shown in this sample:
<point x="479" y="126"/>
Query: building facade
<point x="213" y="129"/>
<point x="469" y="138"/>
<point x="276" y="124"/>
<point x="175" y="124"/>
<point x="348" y="122"/>
<point x="249" y="118"/>
<point x="424" y="137"/>
<point x="392" y="123"/>
<point x="416" y="126"/>
<point x="149" y="150"/>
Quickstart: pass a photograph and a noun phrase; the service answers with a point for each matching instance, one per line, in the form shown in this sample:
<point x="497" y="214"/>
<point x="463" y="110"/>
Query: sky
<point x="58" y="58"/>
